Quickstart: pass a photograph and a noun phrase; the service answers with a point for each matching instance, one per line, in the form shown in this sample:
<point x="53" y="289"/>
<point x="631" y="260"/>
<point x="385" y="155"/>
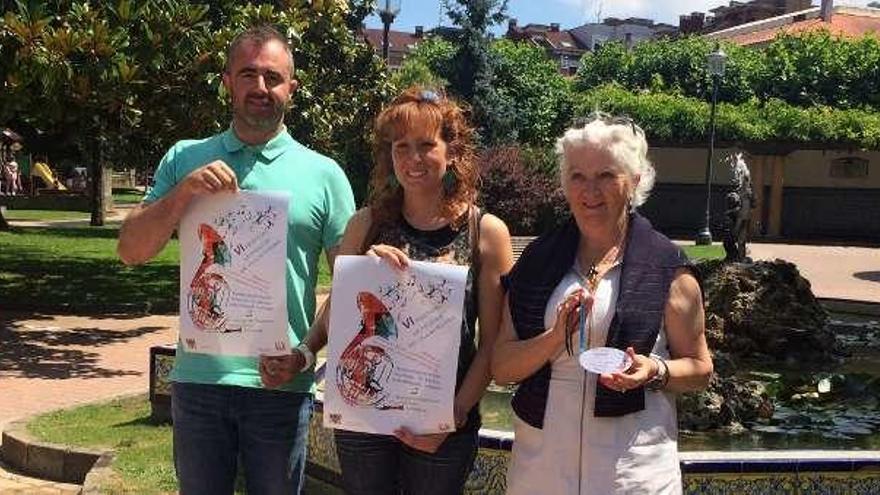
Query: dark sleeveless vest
<point x="650" y="261"/>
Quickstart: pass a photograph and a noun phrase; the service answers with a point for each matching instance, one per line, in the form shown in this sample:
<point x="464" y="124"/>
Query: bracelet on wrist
<point x="661" y="378"/>
<point x="308" y="356"/>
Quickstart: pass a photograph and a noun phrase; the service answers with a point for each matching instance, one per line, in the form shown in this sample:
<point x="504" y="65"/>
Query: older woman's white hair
<point x="624" y="141"/>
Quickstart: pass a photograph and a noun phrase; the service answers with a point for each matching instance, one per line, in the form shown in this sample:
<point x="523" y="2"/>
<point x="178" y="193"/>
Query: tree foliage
<point x="521" y="186"/>
<point x="83" y="72"/>
<point x="540" y="96"/>
<point x="122" y="80"/>
<point x="429" y="64"/>
<point x="678" y="120"/>
<point x="803" y="70"/>
<point x="524" y="77"/>
<point x="472" y="73"/>
<point x="820" y="69"/>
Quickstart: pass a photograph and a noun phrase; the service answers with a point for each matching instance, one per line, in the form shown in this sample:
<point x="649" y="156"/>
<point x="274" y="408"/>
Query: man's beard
<point x="265" y="123"/>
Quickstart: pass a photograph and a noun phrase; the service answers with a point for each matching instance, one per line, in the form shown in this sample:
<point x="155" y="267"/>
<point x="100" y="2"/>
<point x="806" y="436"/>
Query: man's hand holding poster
<point x="394" y="340"/>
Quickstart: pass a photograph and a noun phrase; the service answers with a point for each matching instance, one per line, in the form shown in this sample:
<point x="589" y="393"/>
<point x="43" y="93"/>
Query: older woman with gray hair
<point x="603" y="323"/>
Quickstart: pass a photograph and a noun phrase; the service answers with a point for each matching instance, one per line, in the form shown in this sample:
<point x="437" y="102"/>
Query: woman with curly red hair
<point x="422" y="207"/>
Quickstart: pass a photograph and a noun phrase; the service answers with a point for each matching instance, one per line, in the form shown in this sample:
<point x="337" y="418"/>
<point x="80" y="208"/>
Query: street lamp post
<point x="387" y="13"/>
<point x="716" y="62"/>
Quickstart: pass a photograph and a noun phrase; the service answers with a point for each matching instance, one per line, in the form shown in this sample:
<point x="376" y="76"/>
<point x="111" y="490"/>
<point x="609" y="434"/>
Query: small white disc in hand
<point x="604" y="360"/>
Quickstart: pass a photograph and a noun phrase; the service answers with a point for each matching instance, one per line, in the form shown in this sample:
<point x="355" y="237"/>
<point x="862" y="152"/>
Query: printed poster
<point x="393" y="350"/>
<point x="233" y="294"/>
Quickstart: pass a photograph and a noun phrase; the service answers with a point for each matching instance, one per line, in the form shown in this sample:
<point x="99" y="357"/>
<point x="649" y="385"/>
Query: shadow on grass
<point x="88" y="286"/>
<point x="76" y="271"/>
<point x="45" y="352"/>
<point x="142" y="421"/>
<point x="105" y="232"/>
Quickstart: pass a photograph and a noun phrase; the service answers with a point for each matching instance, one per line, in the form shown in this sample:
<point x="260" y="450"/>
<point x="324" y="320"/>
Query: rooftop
<point x="848" y="22"/>
<point x="397" y="40"/>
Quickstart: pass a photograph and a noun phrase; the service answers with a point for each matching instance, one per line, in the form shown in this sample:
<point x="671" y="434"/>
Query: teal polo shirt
<point x="321" y="202"/>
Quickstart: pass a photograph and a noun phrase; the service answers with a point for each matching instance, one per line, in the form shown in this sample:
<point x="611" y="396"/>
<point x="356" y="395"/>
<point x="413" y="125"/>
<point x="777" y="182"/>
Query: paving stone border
<point x="57" y="462"/>
<point x="48" y="461"/>
<point x="97" y="477"/>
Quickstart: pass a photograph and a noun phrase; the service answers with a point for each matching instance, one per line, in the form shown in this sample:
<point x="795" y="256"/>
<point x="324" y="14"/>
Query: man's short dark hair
<point x="260" y="35"/>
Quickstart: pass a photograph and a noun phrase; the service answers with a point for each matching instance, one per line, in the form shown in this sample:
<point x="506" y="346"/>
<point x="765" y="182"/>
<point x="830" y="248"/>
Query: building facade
<point x="847" y="22"/>
<point x="737" y="13"/>
<point x="559" y="44"/>
<point x="400" y="43"/>
<point x="801" y="195"/>
<point x="630" y="31"/>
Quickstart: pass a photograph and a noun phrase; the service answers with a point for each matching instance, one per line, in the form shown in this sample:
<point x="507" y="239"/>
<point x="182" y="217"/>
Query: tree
<point x="803" y="70"/>
<point x="525" y="75"/>
<point x="823" y="69"/>
<point x="473" y="68"/>
<point x="429" y="65"/>
<point x="671" y="119"/>
<point x="672" y="66"/>
<point x="123" y="80"/>
<point x="83" y="73"/>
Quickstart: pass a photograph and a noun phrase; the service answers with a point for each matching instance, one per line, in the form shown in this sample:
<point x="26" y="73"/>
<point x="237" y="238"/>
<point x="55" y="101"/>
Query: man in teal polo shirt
<point x="220" y="408"/>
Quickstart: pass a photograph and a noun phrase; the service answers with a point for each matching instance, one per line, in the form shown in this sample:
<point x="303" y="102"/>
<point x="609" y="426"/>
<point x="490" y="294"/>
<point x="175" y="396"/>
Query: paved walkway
<point x="833" y="271"/>
<point x="841" y="272"/>
<point x="114" y="216"/>
<point x="16" y="484"/>
<point x="50" y="361"/>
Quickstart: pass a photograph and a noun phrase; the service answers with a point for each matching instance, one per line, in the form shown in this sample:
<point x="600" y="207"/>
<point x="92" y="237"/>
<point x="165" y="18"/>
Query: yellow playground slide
<point x="43" y="171"/>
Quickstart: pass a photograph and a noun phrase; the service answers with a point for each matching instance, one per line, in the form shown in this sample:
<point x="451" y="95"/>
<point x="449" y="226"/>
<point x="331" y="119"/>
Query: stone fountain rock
<point x="754" y="311"/>
<point x="764" y="309"/>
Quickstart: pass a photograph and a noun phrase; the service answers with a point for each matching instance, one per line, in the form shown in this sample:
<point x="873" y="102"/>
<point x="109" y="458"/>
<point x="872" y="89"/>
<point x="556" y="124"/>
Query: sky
<point x="568" y="13"/>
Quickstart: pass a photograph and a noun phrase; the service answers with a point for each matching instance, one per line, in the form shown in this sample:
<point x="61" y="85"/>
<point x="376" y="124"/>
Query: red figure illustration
<point x="365" y="365"/>
<point x="208" y="290"/>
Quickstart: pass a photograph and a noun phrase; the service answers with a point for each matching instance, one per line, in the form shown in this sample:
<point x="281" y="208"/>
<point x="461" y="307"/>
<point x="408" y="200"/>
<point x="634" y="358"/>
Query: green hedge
<point x="803" y="70"/>
<point x="774" y="123"/>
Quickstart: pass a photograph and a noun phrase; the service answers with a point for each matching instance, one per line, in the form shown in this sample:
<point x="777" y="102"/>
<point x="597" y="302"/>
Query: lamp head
<point x="716" y="62"/>
<point x="389" y="8"/>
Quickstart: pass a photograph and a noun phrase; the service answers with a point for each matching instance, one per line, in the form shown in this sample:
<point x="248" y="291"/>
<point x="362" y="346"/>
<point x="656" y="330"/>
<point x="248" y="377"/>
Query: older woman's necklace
<point x="590" y="277"/>
<point x="589" y="280"/>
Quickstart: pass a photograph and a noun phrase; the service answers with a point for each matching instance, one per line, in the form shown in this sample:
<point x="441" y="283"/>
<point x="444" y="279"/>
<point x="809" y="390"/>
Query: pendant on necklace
<point x="591" y="278"/>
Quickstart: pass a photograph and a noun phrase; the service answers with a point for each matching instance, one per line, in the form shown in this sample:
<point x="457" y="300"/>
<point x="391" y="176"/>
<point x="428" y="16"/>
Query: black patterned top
<point x="445" y="245"/>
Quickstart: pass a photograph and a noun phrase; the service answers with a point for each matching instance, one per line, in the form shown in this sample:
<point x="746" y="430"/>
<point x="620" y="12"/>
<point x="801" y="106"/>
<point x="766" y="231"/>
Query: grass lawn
<point x="698" y="253"/>
<point x="46" y="215"/>
<point x="127" y="196"/>
<point x="76" y="270"/>
<point x="143" y="461"/>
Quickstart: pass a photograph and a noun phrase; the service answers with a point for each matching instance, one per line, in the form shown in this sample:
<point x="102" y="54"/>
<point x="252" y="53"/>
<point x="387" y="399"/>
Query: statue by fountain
<point x="762" y="313"/>
<point x="738" y="210"/>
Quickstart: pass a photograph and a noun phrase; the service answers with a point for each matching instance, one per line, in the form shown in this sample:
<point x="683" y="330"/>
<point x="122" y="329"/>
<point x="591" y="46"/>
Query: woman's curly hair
<point x="432" y="110"/>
